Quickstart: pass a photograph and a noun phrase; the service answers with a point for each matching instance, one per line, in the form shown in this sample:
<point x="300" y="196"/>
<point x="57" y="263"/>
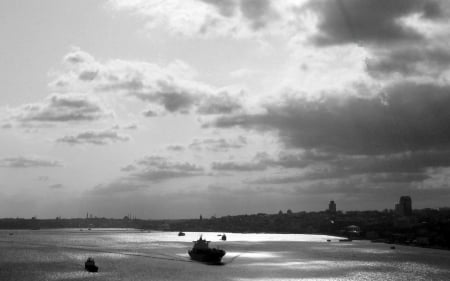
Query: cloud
<point x="175" y="148"/>
<point x="131" y="126"/>
<point x="78" y="57"/>
<point x="157" y="168"/>
<point x="304" y="167"/>
<point x="163" y="175"/>
<point x="56" y="186"/>
<point x="149" y="113"/>
<point x="60" y="108"/>
<point x="6" y="126"/>
<point x="209" y="17"/>
<point x="128" y="168"/>
<point x="430" y="61"/>
<point x="222" y="103"/>
<point x="168" y="89"/>
<point x="43" y="178"/>
<point x="28" y="162"/>
<point x="94" y="137"/>
<point x="407" y="116"/>
<point x="218" y="144"/>
<point x="118" y="187"/>
<point x="370" y="21"/>
<point x="238" y="166"/>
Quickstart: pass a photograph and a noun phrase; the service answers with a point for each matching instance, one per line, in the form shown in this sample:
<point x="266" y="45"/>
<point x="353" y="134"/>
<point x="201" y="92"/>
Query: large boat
<point x="203" y="253"/>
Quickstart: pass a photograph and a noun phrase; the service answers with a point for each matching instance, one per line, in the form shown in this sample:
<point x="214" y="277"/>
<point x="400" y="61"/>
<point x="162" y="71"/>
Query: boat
<point x="203" y="253"/>
<point x="345" y="240"/>
<point x="181" y="233"/>
<point x="90" y="266"/>
<point x="224" y="237"/>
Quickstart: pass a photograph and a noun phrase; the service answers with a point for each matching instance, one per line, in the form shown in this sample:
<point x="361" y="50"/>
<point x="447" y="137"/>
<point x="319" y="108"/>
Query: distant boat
<point x="181" y="233"/>
<point x="345" y="240"/>
<point x="224" y="237"/>
<point x="203" y="253"/>
<point x="90" y="266"/>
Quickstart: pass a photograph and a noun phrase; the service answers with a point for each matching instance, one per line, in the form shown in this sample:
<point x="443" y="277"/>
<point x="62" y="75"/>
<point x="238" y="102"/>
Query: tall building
<point x="332" y="207"/>
<point x="404" y="206"/>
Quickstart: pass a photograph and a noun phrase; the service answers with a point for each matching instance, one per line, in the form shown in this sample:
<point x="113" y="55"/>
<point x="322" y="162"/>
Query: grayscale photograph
<point x="224" y="140"/>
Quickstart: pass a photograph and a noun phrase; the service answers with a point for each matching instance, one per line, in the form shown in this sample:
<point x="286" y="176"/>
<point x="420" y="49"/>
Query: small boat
<point x="90" y="266"/>
<point x="224" y="237"/>
<point x="345" y="240"/>
<point x="181" y="233"/>
<point x="203" y="253"/>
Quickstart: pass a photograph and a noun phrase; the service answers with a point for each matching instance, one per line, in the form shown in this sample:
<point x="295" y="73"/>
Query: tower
<point x="404" y="206"/>
<point x="332" y="207"/>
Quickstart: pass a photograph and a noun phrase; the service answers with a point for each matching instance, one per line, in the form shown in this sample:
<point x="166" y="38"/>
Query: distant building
<point x="332" y="207"/>
<point x="404" y="206"/>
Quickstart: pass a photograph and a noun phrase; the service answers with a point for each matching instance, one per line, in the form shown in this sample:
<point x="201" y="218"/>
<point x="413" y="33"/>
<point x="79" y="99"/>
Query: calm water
<point x="137" y="255"/>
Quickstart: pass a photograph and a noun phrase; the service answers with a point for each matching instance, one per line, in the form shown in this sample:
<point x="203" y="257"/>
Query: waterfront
<point x="59" y="254"/>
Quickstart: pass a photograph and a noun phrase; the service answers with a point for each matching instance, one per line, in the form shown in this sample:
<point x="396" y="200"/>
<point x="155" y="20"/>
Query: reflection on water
<point x="254" y="255"/>
<point x="138" y="255"/>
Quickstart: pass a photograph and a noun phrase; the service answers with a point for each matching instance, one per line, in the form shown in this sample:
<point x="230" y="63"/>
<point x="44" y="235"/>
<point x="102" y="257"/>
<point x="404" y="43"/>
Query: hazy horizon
<point x="174" y="109"/>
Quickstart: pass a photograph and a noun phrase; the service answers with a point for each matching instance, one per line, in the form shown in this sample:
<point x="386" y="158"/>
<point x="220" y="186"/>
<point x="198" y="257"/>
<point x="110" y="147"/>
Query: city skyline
<point x="178" y="108"/>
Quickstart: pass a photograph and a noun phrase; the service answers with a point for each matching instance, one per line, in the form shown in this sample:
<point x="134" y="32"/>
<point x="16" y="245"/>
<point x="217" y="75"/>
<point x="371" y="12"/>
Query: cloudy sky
<point x="172" y="109"/>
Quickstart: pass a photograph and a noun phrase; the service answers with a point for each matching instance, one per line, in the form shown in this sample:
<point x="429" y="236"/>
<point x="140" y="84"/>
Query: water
<point x="138" y="255"/>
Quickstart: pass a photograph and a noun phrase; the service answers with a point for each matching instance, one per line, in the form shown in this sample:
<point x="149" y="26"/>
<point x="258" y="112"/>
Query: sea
<point x="135" y="255"/>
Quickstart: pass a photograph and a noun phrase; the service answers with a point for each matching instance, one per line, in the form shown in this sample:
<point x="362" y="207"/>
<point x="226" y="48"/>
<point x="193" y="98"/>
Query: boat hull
<point x="91" y="268"/>
<point x="213" y="256"/>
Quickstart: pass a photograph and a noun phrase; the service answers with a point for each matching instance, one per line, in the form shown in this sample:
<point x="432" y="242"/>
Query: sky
<point x="176" y="109"/>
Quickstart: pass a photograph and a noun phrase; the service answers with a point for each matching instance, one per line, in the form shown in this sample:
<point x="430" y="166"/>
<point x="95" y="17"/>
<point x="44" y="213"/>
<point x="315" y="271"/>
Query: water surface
<point x="140" y="255"/>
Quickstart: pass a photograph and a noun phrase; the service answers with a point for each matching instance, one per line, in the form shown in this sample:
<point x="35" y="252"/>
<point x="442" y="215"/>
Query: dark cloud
<point x="222" y="103"/>
<point x="130" y="127"/>
<point x="28" y="162"/>
<point x="226" y="8"/>
<point x="258" y="12"/>
<point x="43" y="178"/>
<point x="56" y="186"/>
<point x="128" y="168"/>
<point x="168" y="93"/>
<point x="408" y="116"/>
<point x="171" y="96"/>
<point x="6" y="126"/>
<point x="157" y="168"/>
<point x="409" y="60"/>
<point x="170" y="89"/>
<point x="77" y="56"/>
<point x="61" y="108"/>
<point x="149" y="113"/>
<point x="397" y="177"/>
<point x="94" y="137"/>
<point x="218" y="144"/>
<point x="175" y="147"/>
<point x="238" y="166"/>
<point x="162" y="175"/>
<point x="88" y="75"/>
<point x="370" y="21"/>
<point x="406" y="167"/>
